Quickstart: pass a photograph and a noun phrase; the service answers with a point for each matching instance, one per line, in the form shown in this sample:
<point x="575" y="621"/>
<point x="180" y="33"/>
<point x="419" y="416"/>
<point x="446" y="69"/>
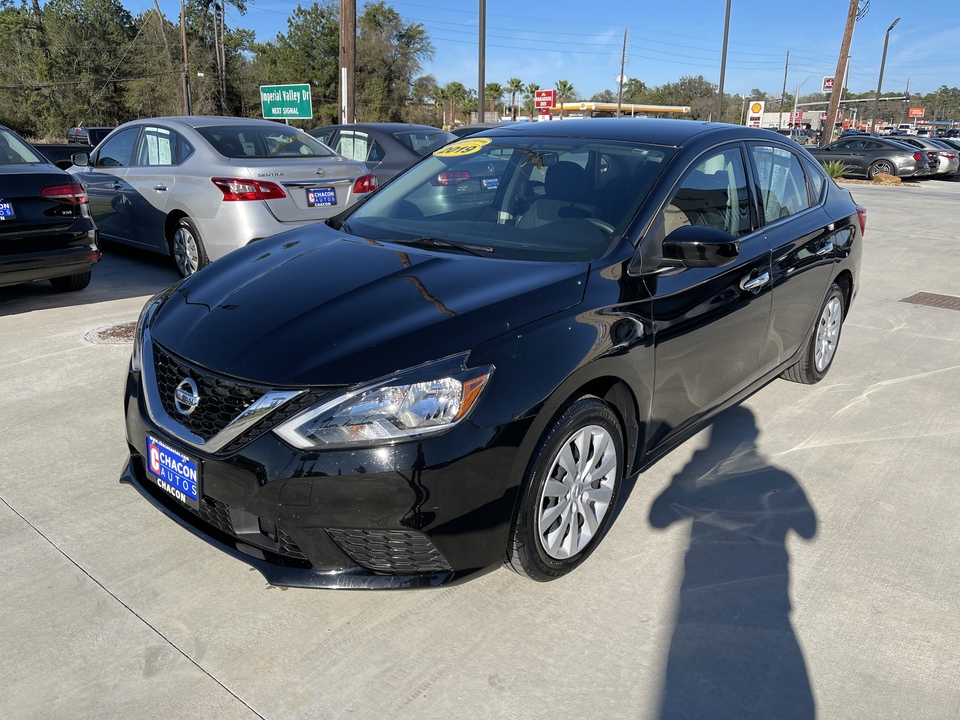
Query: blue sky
<point x="544" y="41"/>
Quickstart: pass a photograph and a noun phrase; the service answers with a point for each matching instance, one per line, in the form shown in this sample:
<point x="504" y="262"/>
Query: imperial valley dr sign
<point x="286" y="102"/>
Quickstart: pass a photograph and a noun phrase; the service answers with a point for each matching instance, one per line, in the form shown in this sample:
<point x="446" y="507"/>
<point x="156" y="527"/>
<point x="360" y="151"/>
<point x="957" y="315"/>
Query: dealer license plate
<point x="6" y="210"/>
<point x="175" y="473"/>
<point x="321" y="197"/>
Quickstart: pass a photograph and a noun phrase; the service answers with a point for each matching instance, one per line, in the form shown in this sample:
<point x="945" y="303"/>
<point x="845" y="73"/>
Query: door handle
<point x="117" y="186"/>
<point x="826" y="249"/>
<point x="753" y="284"/>
<point x="162" y="188"/>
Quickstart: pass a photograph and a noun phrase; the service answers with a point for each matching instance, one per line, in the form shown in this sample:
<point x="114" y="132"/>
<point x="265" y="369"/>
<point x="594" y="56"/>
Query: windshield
<point x="13" y="151"/>
<point x="263" y="141"/>
<point x="424" y="142"/>
<point x="525" y="198"/>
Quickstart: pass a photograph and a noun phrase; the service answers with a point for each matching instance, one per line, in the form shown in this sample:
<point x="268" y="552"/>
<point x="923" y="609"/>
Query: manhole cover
<point x="112" y="334"/>
<point x="947" y="302"/>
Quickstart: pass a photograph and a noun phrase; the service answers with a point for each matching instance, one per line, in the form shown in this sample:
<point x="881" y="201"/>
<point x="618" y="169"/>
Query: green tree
<point x="564" y="91"/>
<point x="389" y="55"/>
<point x="514" y="87"/>
<point x="529" y="98"/>
<point x="494" y="93"/>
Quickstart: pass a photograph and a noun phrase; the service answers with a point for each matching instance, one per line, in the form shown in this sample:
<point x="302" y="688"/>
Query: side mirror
<point x="81" y="159"/>
<point x="698" y="246"/>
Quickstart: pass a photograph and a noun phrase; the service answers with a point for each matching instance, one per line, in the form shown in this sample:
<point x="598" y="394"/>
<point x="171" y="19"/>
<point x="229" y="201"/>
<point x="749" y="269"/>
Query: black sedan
<point x="386" y="148"/>
<point x="414" y="391"/>
<point x="869" y="156"/>
<point x="46" y="232"/>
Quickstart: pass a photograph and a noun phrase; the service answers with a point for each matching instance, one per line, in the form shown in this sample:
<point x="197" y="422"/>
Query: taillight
<point x="244" y="189"/>
<point x="452" y="177"/>
<point x="72" y="193"/>
<point x="365" y="183"/>
<point x="862" y="217"/>
<point x="918" y="157"/>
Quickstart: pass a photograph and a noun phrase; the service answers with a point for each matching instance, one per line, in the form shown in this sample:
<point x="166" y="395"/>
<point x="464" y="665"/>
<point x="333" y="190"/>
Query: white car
<point x="198" y="187"/>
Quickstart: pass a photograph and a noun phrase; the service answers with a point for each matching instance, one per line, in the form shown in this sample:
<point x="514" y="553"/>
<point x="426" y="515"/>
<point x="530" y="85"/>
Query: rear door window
<point x="781" y="181"/>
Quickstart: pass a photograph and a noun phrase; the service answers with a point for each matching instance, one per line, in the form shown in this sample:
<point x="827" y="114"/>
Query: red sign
<point x="916" y="112"/>
<point x="827" y="84"/>
<point x="545" y="98"/>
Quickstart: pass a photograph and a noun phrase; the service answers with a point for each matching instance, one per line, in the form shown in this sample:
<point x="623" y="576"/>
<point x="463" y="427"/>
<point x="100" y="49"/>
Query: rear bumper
<point x="50" y="255"/>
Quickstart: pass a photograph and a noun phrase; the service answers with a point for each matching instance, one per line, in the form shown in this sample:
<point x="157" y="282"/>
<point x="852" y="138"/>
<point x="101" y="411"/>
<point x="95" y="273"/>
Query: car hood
<point x="315" y="307"/>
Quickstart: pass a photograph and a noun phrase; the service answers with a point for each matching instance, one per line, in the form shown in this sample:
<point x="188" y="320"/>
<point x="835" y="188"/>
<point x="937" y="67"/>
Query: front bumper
<point x="417" y="514"/>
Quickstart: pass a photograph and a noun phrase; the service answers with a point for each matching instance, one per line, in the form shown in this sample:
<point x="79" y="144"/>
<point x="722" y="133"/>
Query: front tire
<point x="569" y="491"/>
<point x="822" y="344"/>
<point x="186" y="248"/>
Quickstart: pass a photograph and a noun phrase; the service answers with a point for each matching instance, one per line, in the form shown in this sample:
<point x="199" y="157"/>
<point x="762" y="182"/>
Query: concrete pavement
<point x="848" y="605"/>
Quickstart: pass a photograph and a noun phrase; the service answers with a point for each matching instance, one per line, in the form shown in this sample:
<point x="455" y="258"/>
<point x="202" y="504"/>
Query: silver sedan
<point x="198" y="187"/>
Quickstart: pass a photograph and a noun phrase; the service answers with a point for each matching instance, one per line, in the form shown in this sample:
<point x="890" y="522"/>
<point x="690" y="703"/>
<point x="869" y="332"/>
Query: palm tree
<point x="515" y="87"/>
<point x="456" y="93"/>
<point x="564" y="90"/>
<point x="440" y="96"/>
<point x="494" y="92"/>
<point x="530" y="94"/>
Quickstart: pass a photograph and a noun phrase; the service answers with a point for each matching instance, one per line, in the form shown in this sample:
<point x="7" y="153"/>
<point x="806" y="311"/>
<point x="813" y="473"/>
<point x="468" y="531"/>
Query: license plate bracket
<point x="6" y="210"/>
<point x="175" y="473"/>
<point x="321" y="197"/>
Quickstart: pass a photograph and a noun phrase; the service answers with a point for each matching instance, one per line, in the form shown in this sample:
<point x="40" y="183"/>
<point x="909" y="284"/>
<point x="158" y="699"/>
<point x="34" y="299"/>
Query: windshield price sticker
<point x="174" y="472"/>
<point x="462" y="147"/>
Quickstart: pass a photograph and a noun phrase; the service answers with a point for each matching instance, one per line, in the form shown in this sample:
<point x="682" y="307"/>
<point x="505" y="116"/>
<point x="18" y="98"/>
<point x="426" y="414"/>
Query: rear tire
<point x="71" y="283"/>
<point x="880" y="166"/>
<point x="569" y="491"/>
<point x="186" y="248"/>
<point x="821" y="347"/>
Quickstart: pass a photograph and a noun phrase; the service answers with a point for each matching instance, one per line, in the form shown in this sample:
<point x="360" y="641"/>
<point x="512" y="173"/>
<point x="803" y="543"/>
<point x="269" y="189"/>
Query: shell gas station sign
<point x="755" y="114"/>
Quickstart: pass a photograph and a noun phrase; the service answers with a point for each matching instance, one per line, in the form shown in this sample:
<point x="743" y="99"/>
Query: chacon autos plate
<point x="321" y="197"/>
<point x="6" y="210"/>
<point x="175" y="473"/>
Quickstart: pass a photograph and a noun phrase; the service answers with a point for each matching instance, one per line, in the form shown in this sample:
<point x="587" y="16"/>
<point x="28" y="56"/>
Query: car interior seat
<point x="567" y="195"/>
<point x="230" y="146"/>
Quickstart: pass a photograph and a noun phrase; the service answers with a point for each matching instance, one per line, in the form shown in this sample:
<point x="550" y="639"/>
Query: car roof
<point x="196" y="121"/>
<point x="658" y="131"/>
<point x="390" y="127"/>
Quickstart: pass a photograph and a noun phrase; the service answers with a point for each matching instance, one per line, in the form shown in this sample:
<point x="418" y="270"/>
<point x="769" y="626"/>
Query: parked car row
<point x="903" y="156"/>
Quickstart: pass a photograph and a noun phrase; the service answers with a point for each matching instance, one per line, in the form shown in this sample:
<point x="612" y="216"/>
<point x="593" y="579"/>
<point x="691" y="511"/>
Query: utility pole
<point x="839" y="77"/>
<point x="623" y="62"/>
<point x="187" y="105"/>
<point x="481" y="64"/>
<point x="348" y="60"/>
<point x="783" y="93"/>
<point x="883" y="61"/>
<point x="723" y="61"/>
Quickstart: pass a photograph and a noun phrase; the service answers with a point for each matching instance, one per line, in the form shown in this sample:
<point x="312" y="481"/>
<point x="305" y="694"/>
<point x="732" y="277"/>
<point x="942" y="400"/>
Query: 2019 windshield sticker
<point x="462" y="147"/>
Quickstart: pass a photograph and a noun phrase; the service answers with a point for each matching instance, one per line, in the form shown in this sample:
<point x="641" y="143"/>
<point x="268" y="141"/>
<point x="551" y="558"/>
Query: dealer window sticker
<point x="462" y="147"/>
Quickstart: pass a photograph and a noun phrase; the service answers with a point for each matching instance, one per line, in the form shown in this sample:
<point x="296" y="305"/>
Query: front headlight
<point x="423" y="401"/>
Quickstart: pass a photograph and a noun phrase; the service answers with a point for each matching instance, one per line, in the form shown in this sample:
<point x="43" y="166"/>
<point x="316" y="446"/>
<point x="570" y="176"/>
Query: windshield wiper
<point x="427" y="241"/>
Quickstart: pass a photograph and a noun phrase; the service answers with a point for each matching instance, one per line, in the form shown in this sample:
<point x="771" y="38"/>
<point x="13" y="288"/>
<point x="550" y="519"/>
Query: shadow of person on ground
<point x="734" y="653"/>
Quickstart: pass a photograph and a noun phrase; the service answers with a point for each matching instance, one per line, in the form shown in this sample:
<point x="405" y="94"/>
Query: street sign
<point x="545" y="98"/>
<point x="916" y="112"/>
<point x="827" y="84"/>
<point x="286" y="102"/>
